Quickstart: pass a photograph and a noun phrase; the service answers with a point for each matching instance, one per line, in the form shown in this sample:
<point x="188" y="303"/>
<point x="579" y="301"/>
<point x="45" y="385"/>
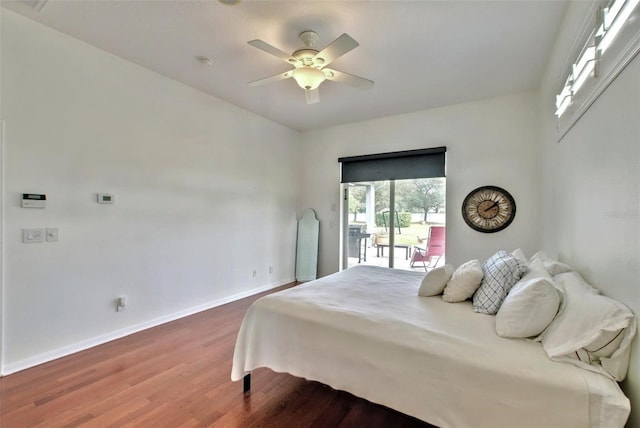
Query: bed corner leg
<point x="246" y="383"/>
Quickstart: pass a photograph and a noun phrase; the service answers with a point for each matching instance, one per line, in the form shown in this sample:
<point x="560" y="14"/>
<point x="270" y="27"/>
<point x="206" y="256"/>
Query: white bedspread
<point x="366" y="331"/>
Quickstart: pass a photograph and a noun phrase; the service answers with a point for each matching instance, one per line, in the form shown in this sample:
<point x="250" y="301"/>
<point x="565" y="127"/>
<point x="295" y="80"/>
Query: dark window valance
<point x="409" y="164"/>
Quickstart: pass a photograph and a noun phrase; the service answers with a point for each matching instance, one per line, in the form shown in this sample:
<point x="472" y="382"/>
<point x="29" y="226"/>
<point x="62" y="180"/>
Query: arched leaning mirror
<point x="307" y="247"/>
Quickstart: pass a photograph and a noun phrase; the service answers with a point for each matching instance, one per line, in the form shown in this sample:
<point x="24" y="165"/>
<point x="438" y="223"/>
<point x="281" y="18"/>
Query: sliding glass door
<point x="393" y="204"/>
<point x="389" y="222"/>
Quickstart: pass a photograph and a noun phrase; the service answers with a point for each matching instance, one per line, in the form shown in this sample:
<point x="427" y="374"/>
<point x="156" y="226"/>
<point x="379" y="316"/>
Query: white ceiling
<point x="421" y="54"/>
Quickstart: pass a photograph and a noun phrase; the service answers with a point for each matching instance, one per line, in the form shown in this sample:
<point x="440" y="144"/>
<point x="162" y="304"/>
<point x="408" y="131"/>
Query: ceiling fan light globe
<point x="308" y="77"/>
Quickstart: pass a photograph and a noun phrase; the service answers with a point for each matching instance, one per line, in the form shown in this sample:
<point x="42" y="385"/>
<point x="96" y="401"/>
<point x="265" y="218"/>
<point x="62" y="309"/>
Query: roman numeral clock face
<point x="488" y="209"/>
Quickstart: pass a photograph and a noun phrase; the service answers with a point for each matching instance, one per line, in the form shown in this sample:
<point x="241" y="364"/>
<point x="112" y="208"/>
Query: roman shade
<point x="410" y="164"/>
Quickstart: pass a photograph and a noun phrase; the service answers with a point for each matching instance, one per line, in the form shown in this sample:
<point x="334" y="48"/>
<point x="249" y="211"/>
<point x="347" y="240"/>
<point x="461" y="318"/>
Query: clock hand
<point x="495" y="204"/>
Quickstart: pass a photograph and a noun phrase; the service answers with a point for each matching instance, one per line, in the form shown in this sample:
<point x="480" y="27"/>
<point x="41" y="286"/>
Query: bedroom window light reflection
<point x="562" y="103"/>
<point x="613" y="19"/>
<point x="610" y="21"/>
<point x="612" y="11"/>
<point x="582" y="70"/>
<point x="564" y="99"/>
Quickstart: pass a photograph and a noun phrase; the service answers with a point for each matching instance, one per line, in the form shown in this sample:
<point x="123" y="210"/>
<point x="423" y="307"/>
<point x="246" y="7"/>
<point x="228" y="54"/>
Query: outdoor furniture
<point x="434" y="250"/>
<point x="380" y="249"/>
<point x="358" y="242"/>
<point x="361" y="239"/>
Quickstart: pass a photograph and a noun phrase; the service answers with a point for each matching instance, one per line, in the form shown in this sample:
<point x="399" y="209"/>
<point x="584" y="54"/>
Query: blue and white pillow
<point x="501" y="272"/>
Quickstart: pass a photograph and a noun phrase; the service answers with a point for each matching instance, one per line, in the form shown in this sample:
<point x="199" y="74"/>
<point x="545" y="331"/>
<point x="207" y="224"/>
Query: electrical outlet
<point x="255" y="273"/>
<point x="270" y="270"/>
<point x="121" y="304"/>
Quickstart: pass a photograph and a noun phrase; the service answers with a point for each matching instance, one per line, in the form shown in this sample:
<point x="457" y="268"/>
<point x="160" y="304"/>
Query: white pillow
<point x="535" y="269"/>
<point x="528" y="309"/>
<point x="464" y="282"/>
<point x="519" y="254"/>
<point x="501" y="272"/>
<point x="604" y="346"/>
<point x="554" y="267"/>
<point x="435" y="280"/>
<point x="587" y="329"/>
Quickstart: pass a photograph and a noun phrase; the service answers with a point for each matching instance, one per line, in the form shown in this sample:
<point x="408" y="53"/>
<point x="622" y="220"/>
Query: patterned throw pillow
<point x="501" y="272"/>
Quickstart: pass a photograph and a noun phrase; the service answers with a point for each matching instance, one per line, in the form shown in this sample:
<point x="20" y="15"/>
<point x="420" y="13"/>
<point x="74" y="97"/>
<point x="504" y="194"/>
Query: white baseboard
<point x="108" y="337"/>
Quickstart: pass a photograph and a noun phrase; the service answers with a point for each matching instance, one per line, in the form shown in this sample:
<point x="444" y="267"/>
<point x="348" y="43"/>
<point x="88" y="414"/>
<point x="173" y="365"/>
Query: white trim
<point x="2" y="245"/>
<point x="108" y="337"/>
<point x="2" y="226"/>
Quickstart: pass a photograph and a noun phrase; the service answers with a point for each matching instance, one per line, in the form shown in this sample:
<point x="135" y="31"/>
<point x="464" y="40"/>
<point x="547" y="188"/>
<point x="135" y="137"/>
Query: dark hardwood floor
<point x="178" y="375"/>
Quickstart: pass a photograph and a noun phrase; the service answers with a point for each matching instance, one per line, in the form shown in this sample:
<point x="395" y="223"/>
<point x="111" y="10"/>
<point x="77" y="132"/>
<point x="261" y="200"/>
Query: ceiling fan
<point x="310" y="65"/>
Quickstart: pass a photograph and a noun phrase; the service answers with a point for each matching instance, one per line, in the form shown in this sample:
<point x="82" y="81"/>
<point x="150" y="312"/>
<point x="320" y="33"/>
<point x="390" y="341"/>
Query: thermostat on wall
<point x="105" y="198"/>
<point x="33" y="200"/>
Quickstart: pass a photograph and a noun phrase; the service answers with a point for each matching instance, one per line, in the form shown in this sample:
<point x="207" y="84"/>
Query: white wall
<point x="489" y="142"/>
<point x="204" y="190"/>
<point x="203" y="195"/>
<point x="591" y="185"/>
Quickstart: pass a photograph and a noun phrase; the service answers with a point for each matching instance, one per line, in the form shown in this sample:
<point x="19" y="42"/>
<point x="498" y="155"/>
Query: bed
<point x="366" y="331"/>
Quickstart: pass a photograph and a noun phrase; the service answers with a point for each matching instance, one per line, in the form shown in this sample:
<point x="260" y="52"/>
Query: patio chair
<point x="430" y="255"/>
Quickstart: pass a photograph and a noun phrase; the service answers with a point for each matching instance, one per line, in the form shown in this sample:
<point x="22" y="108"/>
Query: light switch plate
<point x="32" y="236"/>
<point x="51" y="234"/>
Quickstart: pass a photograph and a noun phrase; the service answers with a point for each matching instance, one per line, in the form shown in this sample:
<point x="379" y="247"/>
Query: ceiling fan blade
<point x="266" y="47"/>
<point x="313" y="96"/>
<point x="274" y="78"/>
<point x="349" y="79"/>
<point x="336" y="49"/>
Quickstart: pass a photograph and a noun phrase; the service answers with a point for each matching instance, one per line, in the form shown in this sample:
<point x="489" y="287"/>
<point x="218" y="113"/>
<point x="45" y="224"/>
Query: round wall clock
<point x="488" y="209"/>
